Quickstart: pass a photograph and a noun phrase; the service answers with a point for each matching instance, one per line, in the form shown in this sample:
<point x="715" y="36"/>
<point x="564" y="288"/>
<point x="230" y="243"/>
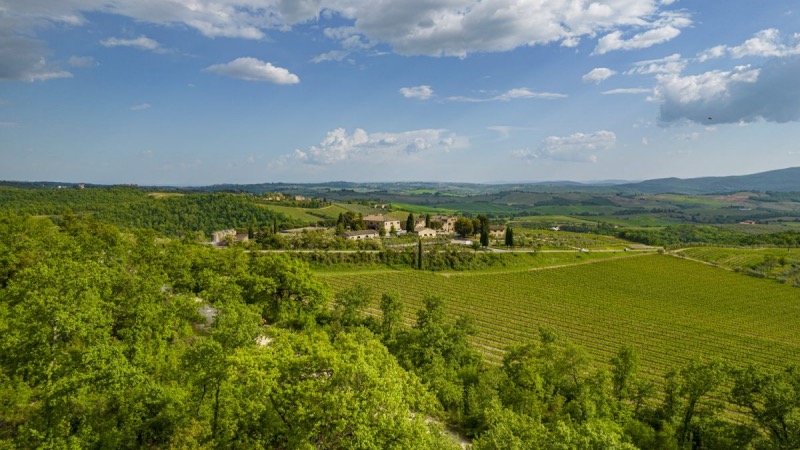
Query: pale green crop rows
<point x="670" y="309"/>
<point x="738" y="257"/>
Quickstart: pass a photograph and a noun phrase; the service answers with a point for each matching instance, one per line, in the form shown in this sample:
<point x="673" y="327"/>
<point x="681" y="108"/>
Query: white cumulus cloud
<point x="665" y="28"/>
<point x="423" y="92"/>
<point x="765" y="43"/>
<point x="598" y="75"/>
<point x="578" y="147"/>
<point x="338" y="146"/>
<point x="744" y="94"/>
<point x="252" y="69"/>
<point x="670" y="64"/>
<point x="25" y="59"/>
<point x="333" y="55"/>
<point x="615" y="41"/>
<point x="412" y="27"/>
<point x="142" y="43"/>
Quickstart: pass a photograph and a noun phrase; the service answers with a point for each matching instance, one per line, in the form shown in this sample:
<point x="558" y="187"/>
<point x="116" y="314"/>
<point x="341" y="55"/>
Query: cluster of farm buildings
<point x="377" y="225"/>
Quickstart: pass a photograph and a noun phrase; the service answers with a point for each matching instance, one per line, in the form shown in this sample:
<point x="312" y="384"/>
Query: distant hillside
<point x="783" y="180"/>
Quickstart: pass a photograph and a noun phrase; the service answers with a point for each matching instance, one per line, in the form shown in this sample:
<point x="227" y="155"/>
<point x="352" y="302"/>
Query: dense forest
<point x="117" y="339"/>
<point x="169" y="214"/>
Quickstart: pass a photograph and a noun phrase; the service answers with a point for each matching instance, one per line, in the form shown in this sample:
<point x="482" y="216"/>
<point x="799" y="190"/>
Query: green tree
<point x="329" y="392"/>
<point x="439" y="351"/>
<point x="509" y="236"/>
<point x="391" y="316"/>
<point x="349" y="304"/>
<point x="690" y="399"/>
<point x="235" y="326"/>
<point x="772" y="399"/>
<point x="419" y="254"/>
<point x="410" y="224"/>
<point x="484" y="230"/>
<point x="285" y="290"/>
<point x="463" y="226"/>
<point x="624" y="371"/>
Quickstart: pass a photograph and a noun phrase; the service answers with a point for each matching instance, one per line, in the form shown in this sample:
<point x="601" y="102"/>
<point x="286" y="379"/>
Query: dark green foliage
<point x="349" y="305"/>
<point x="114" y="340"/>
<point x="410" y="223"/>
<point x="172" y="215"/>
<point x="391" y="316"/>
<point x="509" y="237"/>
<point x="463" y="226"/>
<point x="772" y="398"/>
<point x="484" y="230"/>
<point x="675" y="235"/>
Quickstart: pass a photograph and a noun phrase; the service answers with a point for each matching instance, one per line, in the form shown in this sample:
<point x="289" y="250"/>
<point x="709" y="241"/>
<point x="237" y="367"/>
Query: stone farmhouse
<point x="219" y="236"/>
<point x="426" y="233"/>
<point x="448" y="223"/>
<point x="497" y="231"/>
<point x="376" y="222"/>
<point x="360" y="235"/>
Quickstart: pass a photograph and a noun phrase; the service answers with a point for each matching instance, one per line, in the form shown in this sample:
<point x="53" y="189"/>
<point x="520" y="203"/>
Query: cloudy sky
<point x="192" y="92"/>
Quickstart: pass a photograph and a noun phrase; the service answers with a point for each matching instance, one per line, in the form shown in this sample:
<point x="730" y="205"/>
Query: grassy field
<point x="165" y="194"/>
<point x="732" y="258"/>
<point x="422" y="209"/>
<point x="547" y="221"/>
<point x="669" y="308"/>
<point x="308" y="216"/>
<point x="546" y="239"/>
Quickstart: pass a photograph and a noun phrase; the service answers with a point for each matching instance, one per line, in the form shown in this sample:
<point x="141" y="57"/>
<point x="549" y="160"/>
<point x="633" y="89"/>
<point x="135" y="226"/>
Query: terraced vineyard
<point x="669" y="308"/>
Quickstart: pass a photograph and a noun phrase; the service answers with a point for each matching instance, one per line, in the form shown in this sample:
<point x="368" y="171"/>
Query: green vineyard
<point x="733" y="258"/>
<point x="670" y="309"/>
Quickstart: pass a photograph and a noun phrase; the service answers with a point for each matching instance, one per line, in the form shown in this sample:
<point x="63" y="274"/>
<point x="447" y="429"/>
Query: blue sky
<point x="195" y="92"/>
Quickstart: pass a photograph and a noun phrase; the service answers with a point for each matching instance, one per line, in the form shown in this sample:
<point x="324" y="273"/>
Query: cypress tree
<point x="410" y="223"/>
<point x="509" y="237"/>
<point x="419" y="254"/>
<point x="484" y="221"/>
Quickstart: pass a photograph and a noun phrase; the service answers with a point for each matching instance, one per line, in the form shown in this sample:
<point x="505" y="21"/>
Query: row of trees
<point x="677" y="235"/>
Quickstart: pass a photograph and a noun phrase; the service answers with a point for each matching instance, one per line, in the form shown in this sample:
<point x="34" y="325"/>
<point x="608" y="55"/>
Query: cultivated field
<point x="309" y="216"/>
<point x="670" y="309"/>
<point x="733" y="258"/>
